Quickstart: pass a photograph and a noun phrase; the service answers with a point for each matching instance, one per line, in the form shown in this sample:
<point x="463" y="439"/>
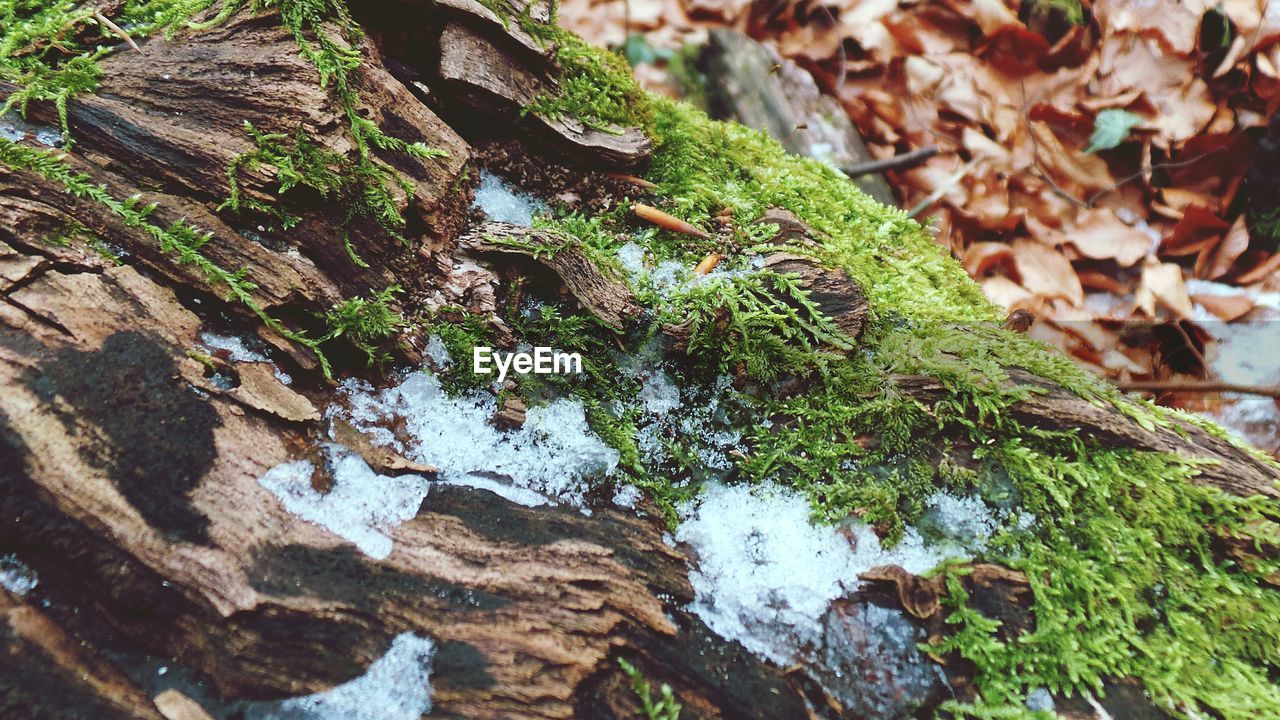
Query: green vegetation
<point x="361" y="189"/>
<point x="596" y="87"/>
<point x="665" y="708"/>
<point x="179" y="238"/>
<point x="367" y="323"/>
<point x="1123" y="562"/>
<point x="44" y="52"/>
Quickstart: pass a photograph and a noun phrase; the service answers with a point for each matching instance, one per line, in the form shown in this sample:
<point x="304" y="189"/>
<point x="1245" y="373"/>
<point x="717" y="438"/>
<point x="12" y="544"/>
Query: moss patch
<point x="1121" y="559"/>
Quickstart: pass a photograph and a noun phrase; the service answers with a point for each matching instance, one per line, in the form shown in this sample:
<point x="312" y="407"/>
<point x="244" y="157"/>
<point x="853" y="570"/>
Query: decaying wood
<point x="830" y="289"/>
<point x="1231" y="469"/>
<point x="607" y="297"/>
<point x="137" y="505"/>
<point x="489" y="76"/>
<point x="749" y="82"/>
<point x="48" y="674"/>
<point x="129" y="476"/>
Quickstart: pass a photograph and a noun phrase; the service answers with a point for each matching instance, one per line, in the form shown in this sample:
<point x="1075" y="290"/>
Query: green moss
<point x="663" y="708"/>
<point x="40" y="55"/>
<point x="1121" y="560"/>
<point x="180" y="238"/>
<point x="595" y="87"/>
<point x="370" y="324"/>
<point x="359" y="188"/>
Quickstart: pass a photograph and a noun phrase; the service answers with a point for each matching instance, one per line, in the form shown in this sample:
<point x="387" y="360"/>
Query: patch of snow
<point x="631" y="258"/>
<point x="49" y="137"/>
<point x="627" y="496"/>
<point x="554" y="454"/>
<point x="1247" y="351"/>
<point x="283" y="377"/>
<point x="397" y="686"/>
<point x="11" y="131"/>
<point x="966" y="520"/>
<point x="1040" y="700"/>
<point x="670" y="274"/>
<point x="1252" y="418"/>
<point x="233" y="346"/>
<point x="15" y="576"/>
<point x="500" y="202"/>
<point x="659" y="394"/>
<point x="437" y="353"/>
<point x="1196" y="286"/>
<point x="361" y="507"/>
<point x="15" y="129"/>
<point x="766" y="574"/>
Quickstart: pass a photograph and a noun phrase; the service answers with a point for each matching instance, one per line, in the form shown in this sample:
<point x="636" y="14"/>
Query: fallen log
<point x="184" y="488"/>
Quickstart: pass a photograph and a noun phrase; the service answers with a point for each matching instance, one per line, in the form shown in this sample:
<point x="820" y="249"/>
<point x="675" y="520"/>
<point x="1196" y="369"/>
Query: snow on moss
<point x="361" y="507"/>
<point x="502" y="203"/>
<point x="766" y="573"/>
<point x="767" y="576"/>
<point x="396" y="686"/>
<point x="553" y="457"/>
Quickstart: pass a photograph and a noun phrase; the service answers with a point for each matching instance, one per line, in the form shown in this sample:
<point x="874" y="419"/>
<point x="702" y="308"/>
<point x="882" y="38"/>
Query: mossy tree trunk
<point x="128" y="463"/>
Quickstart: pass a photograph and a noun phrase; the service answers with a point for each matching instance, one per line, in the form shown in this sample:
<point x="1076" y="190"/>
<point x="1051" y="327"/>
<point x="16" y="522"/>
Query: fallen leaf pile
<point x="1093" y="157"/>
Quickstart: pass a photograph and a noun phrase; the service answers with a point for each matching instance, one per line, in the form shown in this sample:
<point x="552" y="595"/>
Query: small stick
<point x="668" y="222"/>
<point x="637" y="181"/>
<point x="106" y="22"/>
<point x="708" y="263"/>
<point x="1196" y="386"/>
<point x="897" y="162"/>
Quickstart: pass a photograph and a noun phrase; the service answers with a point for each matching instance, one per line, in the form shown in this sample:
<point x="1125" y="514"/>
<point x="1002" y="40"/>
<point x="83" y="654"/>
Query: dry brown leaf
<point x="1261" y="272"/>
<point x="1007" y="294"/>
<point x="1170" y="21"/>
<point x="1217" y="259"/>
<point x="1072" y="169"/>
<point x="1226" y="307"/>
<point x="1046" y="272"/>
<point x="1162" y="285"/>
<point x="981" y="257"/>
<point x="1198" y="227"/>
<point x="1100" y="235"/>
<point x="1118" y="362"/>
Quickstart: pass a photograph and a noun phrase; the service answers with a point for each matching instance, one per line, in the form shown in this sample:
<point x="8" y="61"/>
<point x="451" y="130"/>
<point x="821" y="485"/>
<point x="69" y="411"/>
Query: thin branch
<point x="114" y="28"/>
<point x="897" y="162"/>
<point x="1196" y="386"/>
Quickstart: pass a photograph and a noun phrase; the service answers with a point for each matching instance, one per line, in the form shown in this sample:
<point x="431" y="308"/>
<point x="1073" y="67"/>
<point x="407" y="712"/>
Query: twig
<point x="1196" y="386"/>
<point x="637" y="181"/>
<point x="897" y="162"/>
<point x="106" y="22"/>
<point x="667" y="222"/>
